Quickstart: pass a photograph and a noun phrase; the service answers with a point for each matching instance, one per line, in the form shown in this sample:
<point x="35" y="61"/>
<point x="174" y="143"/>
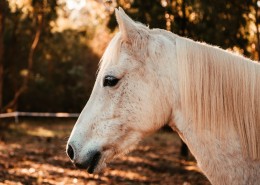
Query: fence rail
<point x="16" y="115"/>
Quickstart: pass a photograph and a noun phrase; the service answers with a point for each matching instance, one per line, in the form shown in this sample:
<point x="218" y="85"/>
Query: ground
<point x="33" y="152"/>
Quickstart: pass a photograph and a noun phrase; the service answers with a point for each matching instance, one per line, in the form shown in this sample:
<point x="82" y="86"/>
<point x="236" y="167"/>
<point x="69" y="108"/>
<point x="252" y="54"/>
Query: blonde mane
<point x="220" y="90"/>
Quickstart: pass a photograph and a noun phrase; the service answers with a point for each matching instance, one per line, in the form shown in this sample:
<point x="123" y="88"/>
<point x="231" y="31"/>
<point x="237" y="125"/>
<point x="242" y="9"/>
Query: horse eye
<point x="110" y="81"/>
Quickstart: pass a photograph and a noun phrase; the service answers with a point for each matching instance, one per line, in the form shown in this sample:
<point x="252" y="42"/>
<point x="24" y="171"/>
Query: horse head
<point x="130" y="98"/>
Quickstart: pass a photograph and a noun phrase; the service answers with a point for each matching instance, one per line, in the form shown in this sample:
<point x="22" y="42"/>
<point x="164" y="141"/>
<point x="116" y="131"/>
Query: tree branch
<point x="257" y="30"/>
<point x="2" y="23"/>
<point x="25" y="83"/>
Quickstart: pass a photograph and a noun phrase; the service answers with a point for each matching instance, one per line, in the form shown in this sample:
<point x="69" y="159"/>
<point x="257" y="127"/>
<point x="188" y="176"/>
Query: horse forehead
<point x="119" y="50"/>
<point x="119" y="60"/>
<point x="117" y="64"/>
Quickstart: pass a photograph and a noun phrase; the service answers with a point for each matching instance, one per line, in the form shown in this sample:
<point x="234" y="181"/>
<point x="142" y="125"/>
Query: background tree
<point x="45" y="70"/>
<point x="3" y="10"/>
<point x="253" y="18"/>
<point x="23" y="31"/>
<point x="38" y="12"/>
<point x="222" y="23"/>
<point x="48" y="63"/>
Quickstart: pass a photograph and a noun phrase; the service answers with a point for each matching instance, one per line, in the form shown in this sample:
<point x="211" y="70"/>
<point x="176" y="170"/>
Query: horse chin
<point x="97" y="167"/>
<point x="100" y="167"/>
<point x="102" y="164"/>
<point x="109" y="155"/>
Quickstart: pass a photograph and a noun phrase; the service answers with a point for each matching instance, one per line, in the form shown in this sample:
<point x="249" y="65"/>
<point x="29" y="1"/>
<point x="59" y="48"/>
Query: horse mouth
<point x="90" y="164"/>
<point x="94" y="162"/>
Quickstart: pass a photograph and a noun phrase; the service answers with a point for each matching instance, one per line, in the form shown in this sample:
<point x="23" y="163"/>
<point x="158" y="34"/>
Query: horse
<point x="151" y="77"/>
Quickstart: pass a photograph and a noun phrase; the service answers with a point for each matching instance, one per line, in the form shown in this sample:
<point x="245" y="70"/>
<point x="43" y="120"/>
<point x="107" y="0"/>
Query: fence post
<point x="16" y="117"/>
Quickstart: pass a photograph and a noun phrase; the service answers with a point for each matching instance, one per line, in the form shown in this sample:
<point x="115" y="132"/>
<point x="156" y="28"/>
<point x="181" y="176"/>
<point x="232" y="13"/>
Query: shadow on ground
<point x="33" y="152"/>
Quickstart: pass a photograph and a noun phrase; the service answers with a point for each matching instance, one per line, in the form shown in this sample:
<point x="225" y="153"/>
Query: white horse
<point x="149" y="77"/>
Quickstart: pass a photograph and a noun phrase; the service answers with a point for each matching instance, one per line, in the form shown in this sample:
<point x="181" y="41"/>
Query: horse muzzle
<point x="90" y="161"/>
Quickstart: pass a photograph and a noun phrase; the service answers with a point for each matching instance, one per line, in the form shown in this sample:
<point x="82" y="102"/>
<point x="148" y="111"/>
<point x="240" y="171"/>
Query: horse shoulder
<point x="220" y="160"/>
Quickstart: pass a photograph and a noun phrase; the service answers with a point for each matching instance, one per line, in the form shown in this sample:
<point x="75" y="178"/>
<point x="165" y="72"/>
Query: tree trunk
<point x="184" y="19"/>
<point x="2" y="19"/>
<point x="24" y="86"/>
<point x="257" y="31"/>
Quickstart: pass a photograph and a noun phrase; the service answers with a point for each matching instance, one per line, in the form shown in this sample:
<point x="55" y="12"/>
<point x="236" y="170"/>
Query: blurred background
<point x="49" y="54"/>
<point x="49" y="49"/>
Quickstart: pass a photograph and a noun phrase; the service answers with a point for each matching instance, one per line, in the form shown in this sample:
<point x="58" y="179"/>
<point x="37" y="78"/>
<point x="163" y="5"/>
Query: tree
<point x="39" y="14"/>
<point x="21" y="40"/>
<point x="3" y="7"/>
<point x="253" y="19"/>
<point x="222" y="23"/>
<point x="45" y="70"/>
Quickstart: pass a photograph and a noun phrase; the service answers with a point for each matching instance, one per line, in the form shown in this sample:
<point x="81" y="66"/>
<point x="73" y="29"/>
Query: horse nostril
<point x="70" y="152"/>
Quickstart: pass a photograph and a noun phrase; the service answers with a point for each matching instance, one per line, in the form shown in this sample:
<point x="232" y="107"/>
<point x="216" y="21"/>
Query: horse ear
<point x="126" y="25"/>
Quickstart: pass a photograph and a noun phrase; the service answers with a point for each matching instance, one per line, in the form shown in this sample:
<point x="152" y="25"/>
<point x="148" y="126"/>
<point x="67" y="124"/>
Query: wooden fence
<point x="16" y="115"/>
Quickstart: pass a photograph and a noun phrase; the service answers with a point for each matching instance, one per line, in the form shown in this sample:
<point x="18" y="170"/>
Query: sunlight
<point x="79" y="15"/>
<point x="128" y="174"/>
<point x="75" y="4"/>
<point x="42" y="132"/>
<point x="192" y="168"/>
<point x="132" y="159"/>
<point x="36" y="131"/>
<point x="23" y="5"/>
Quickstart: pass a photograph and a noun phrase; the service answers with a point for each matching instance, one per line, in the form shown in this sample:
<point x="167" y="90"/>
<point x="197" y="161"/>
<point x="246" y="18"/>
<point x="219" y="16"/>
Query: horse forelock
<point x="219" y="90"/>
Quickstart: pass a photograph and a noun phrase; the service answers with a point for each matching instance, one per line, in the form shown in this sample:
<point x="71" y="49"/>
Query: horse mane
<point x="220" y="90"/>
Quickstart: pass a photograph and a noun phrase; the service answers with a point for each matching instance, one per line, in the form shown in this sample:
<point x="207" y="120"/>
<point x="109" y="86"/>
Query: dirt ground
<point x="33" y="152"/>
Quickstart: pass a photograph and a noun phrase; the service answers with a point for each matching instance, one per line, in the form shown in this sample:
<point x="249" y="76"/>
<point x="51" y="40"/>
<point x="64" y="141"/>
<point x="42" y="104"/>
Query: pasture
<point x="33" y="152"/>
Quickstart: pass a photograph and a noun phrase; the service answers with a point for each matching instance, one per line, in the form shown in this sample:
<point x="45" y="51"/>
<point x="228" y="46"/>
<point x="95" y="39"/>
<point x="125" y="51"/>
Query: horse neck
<point x="216" y="156"/>
<point x="167" y="67"/>
<point x="179" y="120"/>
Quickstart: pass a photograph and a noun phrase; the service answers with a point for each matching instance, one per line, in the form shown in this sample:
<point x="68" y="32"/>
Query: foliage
<point x="64" y="76"/>
<point x="63" y="69"/>
<point x="64" y="61"/>
<point x="222" y="23"/>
